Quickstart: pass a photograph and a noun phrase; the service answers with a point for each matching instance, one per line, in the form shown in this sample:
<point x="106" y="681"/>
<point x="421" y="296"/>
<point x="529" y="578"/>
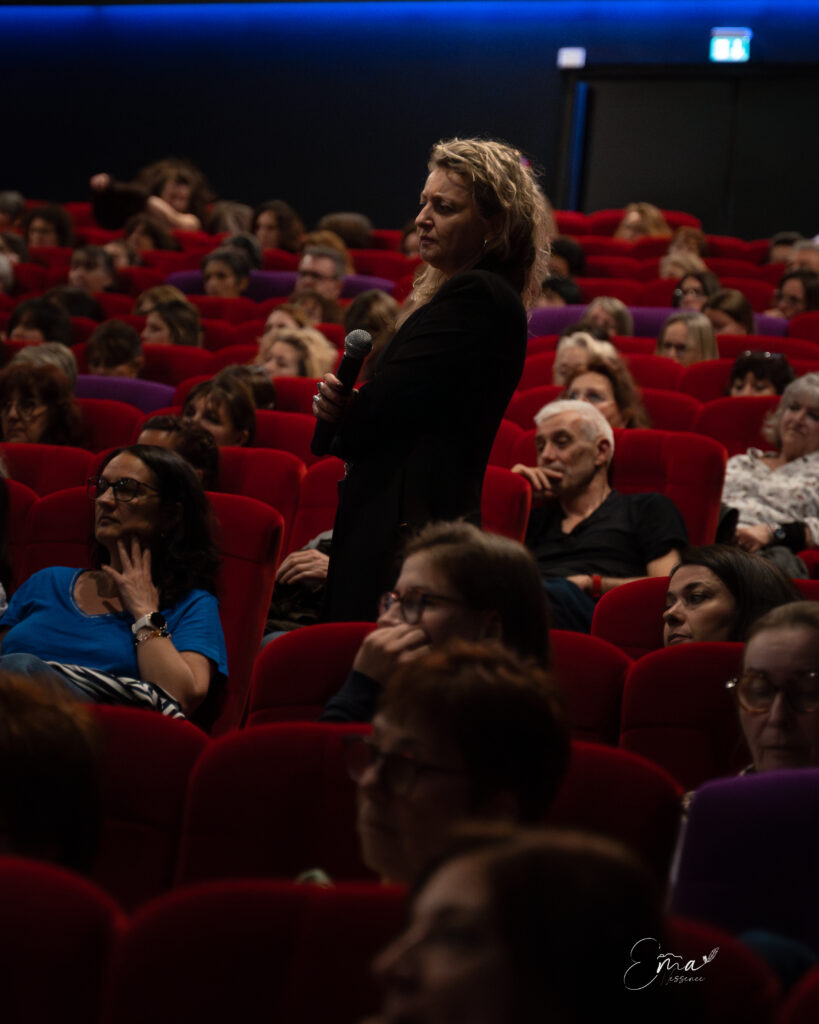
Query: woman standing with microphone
<point x="416" y="438"/>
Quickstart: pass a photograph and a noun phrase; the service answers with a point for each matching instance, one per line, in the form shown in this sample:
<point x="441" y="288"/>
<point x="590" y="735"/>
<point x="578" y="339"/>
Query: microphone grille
<point x="358" y="344"/>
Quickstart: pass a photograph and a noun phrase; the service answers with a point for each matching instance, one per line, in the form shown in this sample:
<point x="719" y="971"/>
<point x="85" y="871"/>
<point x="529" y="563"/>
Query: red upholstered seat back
<point x="47" y="467"/>
<point x="318" y="499"/>
<point x="171" y="364"/>
<point x="290" y="431"/>
<point x="107" y="423"/>
<point x="591" y="674"/>
<point x="272" y="802"/>
<point x="506" y="502"/>
<point x="21" y="501"/>
<point x="631" y="616"/>
<point x="737" y="423"/>
<point x="255" y="951"/>
<point x="273" y="477"/>
<point x="145" y="763"/>
<point x="678" y="713"/>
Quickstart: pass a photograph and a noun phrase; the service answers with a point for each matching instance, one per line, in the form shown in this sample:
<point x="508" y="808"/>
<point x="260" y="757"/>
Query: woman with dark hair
<point x="144" y="233"/>
<point x="40" y="320"/>
<point x="277" y="226"/>
<point x="716" y="592"/>
<point x="729" y="312"/>
<point x="694" y="290"/>
<point x="92" y="270"/>
<point x="175" y="322"/>
<point x="37" y="406"/>
<point x="225" y="273"/>
<point x="611" y="388"/>
<point x="143" y="626"/>
<point x="173" y="192"/>
<point x="417" y="436"/>
<point x="48" y="225"/>
<point x="225" y="408"/>
<point x="455" y="580"/>
<point x="760" y="373"/>
<point x="797" y="292"/>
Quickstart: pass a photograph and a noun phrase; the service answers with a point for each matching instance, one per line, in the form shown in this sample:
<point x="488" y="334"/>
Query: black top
<point x="618" y="539"/>
<point x="418" y="435"/>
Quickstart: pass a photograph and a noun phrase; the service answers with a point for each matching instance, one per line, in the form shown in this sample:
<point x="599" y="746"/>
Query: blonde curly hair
<point x="502" y="183"/>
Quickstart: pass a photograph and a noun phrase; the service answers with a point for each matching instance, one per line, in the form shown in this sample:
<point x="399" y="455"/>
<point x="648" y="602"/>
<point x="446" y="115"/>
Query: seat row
<point x="260" y="950"/>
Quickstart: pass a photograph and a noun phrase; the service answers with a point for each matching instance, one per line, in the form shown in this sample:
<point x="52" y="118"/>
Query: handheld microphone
<point x="357" y="346"/>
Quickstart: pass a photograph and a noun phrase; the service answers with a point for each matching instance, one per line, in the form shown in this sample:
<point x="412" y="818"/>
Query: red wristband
<point x="597" y="586"/>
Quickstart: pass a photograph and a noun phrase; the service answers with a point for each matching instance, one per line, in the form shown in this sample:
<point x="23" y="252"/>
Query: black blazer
<point x="418" y="435"/>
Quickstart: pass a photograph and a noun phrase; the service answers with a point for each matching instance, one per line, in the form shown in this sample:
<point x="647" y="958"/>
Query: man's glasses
<point x="397" y="772"/>
<point x="124" y="489"/>
<point x="756" y="693"/>
<point x="413" y="603"/>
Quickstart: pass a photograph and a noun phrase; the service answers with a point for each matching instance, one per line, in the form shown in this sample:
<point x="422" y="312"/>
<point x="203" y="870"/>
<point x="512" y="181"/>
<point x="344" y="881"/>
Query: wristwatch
<point x="153" y="620"/>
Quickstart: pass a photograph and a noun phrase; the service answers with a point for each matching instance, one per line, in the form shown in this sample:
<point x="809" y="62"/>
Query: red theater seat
<point x="737" y="422"/>
<point x="591" y="674"/>
<point x="273" y="477"/>
<point x="107" y="423"/>
<point x="57" y="934"/>
<point x="288" y="431"/>
<point x="171" y="364"/>
<point x="631" y="616"/>
<point x="678" y="713"/>
<point x="46" y="468"/>
<point x="506" y="503"/>
<point x="670" y="410"/>
<point x="295" y="394"/>
<point x="21" y="500"/>
<point x="318" y="499"/>
<point x="507" y="437"/>
<point x="255" y="951"/>
<point x="145" y="763"/>
<point x="296" y="674"/>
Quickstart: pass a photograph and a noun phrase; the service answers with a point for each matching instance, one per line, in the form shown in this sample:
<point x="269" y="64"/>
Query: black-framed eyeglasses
<point x="398" y="773"/>
<point x="756" y="693"/>
<point x="413" y="603"/>
<point x="124" y="489"/>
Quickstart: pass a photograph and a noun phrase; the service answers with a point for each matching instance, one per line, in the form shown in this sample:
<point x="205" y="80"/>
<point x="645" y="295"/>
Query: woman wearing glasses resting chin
<point x="455" y="581"/>
<point x="777" y="689"/>
<point x="143" y="626"/>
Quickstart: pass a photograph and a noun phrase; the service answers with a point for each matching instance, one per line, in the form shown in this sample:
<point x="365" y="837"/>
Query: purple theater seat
<point x="146" y="395"/>
<point x="749" y="855"/>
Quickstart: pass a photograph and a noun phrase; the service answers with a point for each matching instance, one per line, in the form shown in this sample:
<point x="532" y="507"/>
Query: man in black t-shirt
<point x="586" y="537"/>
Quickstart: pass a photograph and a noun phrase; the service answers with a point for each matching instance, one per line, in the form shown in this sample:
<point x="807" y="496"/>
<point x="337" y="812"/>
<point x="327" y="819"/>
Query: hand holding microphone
<point x="335" y="390"/>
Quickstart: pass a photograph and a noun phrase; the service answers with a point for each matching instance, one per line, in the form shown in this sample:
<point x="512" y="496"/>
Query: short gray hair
<point x="803" y="388"/>
<point x="50" y="353"/>
<point x="328" y="253"/>
<point x="595" y="424"/>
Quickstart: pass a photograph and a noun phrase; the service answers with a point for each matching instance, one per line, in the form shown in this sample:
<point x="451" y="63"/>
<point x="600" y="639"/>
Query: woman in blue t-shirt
<point x="143" y="625"/>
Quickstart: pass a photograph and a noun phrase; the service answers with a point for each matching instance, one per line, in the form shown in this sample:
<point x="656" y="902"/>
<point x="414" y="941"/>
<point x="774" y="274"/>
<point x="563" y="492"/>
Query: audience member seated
<point x="322" y="270"/>
<point x="760" y="373"/>
<point x="225" y="409"/>
<point x="143" y="626"/>
<point x="195" y="444"/>
<point x="797" y="292"/>
<point x="504" y="928"/>
<point x="171" y="191"/>
<point x="609" y="314"/>
<point x="780" y="247"/>
<point x="329" y="240"/>
<point x="247" y="244"/>
<point x="717" y="592"/>
<point x="639" y="221"/>
<point x="49" y="775"/>
<point x="410" y="245"/>
<point x="805" y="256"/>
<point x="114" y="350"/>
<point x="689" y="239"/>
<point x="12" y="208"/>
<point x="455" y="581"/>
<point x="175" y="322"/>
<point x="287" y="317"/>
<point x="304" y="352"/>
<point x="6" y="275"/>
<point x="559" y="291"/>
<point x="687" y="338"/>
<point x="277" y="226"/>
<point x="610" y="388"/>
<point x="225" y="273"/>
<point x="775" y="494"/>
<point x="145" y="234"/>
<point x="92" y="270"/>
<point x="317" y="308"/>
<point x="254" y="379"/>
<point x="49" y="353"/>
<point x="466" y="732"/>
<point x="121" y="253"/>
<point x="39" y="320"/>
<point x="75" y="301"/>
<point x="48" y="226"/>
<point x="354" y="229"/>
<point x="586" y="537"/>
<point x="159" y="293"/>
<point x="777" y="688"/>
<point x="566" y="258"/>
<point x="576" y="350"/>
<point x="694" y="290"/>
<point x="375" y="312"/>
<point x="680" y="264"/>
<point x="14" y="246"/>
<point x="729" y="312"/>
<point x="37" y="406"/>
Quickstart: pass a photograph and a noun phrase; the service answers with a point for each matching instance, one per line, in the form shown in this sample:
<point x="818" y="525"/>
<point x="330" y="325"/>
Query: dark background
<point x="335" y="105"/>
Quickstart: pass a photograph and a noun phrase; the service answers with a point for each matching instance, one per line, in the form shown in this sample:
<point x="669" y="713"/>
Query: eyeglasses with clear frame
<point x="756" y="693"/>
<point x="398" y="773"/>
<point x="124" y="489"/>
<point x="413" y="603"/>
